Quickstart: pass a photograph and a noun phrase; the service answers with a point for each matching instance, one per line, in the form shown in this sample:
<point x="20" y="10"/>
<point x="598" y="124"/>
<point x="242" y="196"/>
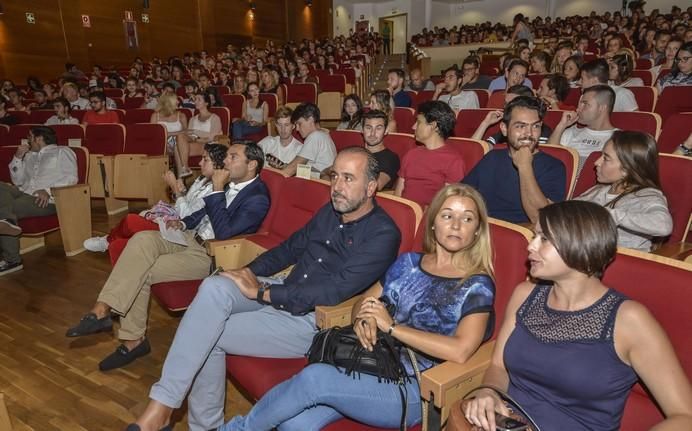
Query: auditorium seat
<point x="400" y="143"/>
<point x="536" y="80"/>
<point x="673" y="100"/>
<point x="234" y="103"/>
<point x="114" y="93"/>
<point x="645" y="75"/>
<point x="65" y="132"/>
<point x="645" y="97"/>
<point x="483" y="97"/>
<point x="573" y="97"/>
<point x="104" y="141"/>
<point x="646" y="122"/>
<point x="78" y="114"/>
<point x="676" y="130"/>
<point x="423" y="96"/>
<point x="405" y="119"/>
<point x="329" y="100"/>
<point x="346" y="138"/>
<point x="676" y="183"/>
<point x="222" y="89"/>
<point x="138" y="115"/>
<point x="496" y="100"/>
<point x="133" y="102"/>
<point x="273" y="103"/>
<point x="225" y="115"/>
<point x="17" y="133"/>
<point x="468" y="121"/>
<point x="643" y="64"/>
<point x="40" y="116"/>
<point x="570" y="159"/>
<point x="300" y="93"/>
<point x="552" y="117"/>
<point x="21" y="116"/>
<point x="4" y="132"/>
<point x="472" y="150"/>
<point x="587" y="176"/>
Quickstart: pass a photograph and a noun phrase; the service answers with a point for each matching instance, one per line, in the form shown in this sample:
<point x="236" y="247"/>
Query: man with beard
<point x="519" y="180"/>
<point x="346" y="247"/>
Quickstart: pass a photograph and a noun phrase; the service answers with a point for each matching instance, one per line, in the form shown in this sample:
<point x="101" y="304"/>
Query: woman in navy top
<point x="443" y="301"/>
<point x="570" y="348"/>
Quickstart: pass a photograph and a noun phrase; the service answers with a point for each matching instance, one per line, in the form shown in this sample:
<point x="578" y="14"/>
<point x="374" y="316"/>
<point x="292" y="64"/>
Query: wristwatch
<point x="263" y="287"/>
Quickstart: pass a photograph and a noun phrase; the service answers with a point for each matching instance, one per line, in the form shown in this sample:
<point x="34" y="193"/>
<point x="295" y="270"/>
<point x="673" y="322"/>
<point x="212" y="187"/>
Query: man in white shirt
<point x="238" y="204"/>
<point x="35" y="168"/>
<point x="318" y="149"/>
<point x="454" y="96"/>
<point x="71" y="92"/>
<point x="280" y="150"/>
<point x="593" y="112"/>
<point x="597" y="72"/>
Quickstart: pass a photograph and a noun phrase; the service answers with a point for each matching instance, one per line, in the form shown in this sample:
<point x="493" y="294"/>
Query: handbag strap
<point x="506" y="397"/>
<point x="423" y="403"/>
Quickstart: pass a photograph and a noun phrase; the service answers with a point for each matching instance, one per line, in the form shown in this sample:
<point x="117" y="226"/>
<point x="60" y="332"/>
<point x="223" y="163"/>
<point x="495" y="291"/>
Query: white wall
<point x="399" y="45"/>
<point x="342" y="11"/>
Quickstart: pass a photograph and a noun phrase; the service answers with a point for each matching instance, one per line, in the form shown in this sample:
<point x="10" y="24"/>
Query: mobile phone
<point x="216" y="271"/>
<point x="504" y="423"/>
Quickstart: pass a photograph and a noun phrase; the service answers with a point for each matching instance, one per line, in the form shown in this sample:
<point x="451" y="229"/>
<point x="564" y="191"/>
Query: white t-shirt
<point x="585" y="141"/>
<point x="463" y="100"/>
<point x="272" y="145"/>
<point x="624" y="100"/>
<point x="319" y="149"/>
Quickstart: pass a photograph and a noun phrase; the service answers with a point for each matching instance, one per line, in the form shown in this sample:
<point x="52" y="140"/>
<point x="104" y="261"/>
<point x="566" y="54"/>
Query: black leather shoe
<point x="90" y="324"/>
<point x="122" y="356"/>
<point x="135" y="427"/>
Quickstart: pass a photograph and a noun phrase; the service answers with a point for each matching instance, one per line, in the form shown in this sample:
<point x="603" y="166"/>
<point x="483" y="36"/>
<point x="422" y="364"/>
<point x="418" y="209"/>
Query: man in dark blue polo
<point x="395" y="85"/>
<point x="346" y="247"/>
<point x="518" y="181"/>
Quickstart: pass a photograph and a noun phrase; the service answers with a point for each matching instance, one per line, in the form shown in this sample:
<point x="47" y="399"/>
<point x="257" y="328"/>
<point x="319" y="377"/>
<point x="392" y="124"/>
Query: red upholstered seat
<point x="225" y="116"/>
<point x="65" y="132"/>
<point x="138" y="115"/>
<point x="78" y="114"/>
<point x="552" y="117"/>
<point x="145" y="138"/>
<point x="234" y="103"/>
<point x="468" y="121"/>
<point x="18" y="132"/>
<point x="257" y="375"/>
<point x="405" y="119"/>
<point x="4" y="131"/>
<point x="646" y="122"/>
<point x="483" y="97"/>
<point x="472" y="151"/>
<point x="114" y="92"/>
<point x="645" y="75"/>
<point x="133" y="102"/>
<point x="643" y="64"/>
<point x="272" y="102"/>
<point x="175" y="295"/>
<point x="643" y="278"/>
<point x="676" y="183"/>
<point x="222" y="89"/>
<point x="21" y="116"/>
<point x="335" y="83"/>
<point x="105" y="139"/>
<point x="423" y="96"/>
<point x="573" y="97"/>
<point x="674" y="100"/>
<point x="645" y="97"/>
<point x="587" y="176"/>
<point x="301" y="93"/>
<point x="400" y="143"/>
<point x="496" y="100"/>
<point x="40" y="116"/>
<point x="536" y="80"/>
<point x="675" y="130"/>
<point x="346" y="138"/>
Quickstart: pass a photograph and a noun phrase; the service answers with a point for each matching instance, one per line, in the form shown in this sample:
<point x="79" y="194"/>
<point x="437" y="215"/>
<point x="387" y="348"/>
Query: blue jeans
<point x="322" y="394"/>
<point x="242" y="128"/>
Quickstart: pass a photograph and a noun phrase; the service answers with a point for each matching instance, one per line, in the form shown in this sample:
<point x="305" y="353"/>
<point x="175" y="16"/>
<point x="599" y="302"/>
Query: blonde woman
<point x="201" y="129"/>
<point x="175" y="122"/>
<point x="270" y="84"/>
<point x="381" y="100"/>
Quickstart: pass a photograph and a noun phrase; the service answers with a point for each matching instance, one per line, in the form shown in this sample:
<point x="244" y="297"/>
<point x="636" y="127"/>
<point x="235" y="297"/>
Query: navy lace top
<point x="432" y="303"/>
<point x="563" y="367"/>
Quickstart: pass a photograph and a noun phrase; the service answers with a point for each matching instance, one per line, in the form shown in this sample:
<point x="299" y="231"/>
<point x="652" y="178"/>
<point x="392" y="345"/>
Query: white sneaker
<point x="97" y="243"/>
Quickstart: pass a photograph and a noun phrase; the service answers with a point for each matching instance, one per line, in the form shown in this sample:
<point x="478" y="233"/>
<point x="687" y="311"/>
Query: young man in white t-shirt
<point x="454" y="96"/>
<point x="597" y="72"/>
<point x="593" y="112"/>
<point x="280" y="150"/>
<point x="318" y="149"/>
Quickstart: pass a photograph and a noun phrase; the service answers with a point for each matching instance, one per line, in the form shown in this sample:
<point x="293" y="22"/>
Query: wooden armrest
<point x="67" y="190"/>
<point x="73" y="206"/>
<point x="444" y="384"/>
<point x="678" y="250"/>
<point x="234" y="253"/>
<point x="328" y="316"/>
<point x="213" y="244"/>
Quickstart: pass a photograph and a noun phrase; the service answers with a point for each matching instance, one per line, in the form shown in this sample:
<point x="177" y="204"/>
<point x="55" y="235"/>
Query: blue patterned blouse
<point x="432" y="303"/>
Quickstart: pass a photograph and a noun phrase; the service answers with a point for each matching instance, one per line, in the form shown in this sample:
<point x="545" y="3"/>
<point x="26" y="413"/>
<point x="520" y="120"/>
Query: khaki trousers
<point x="149" y="259"/>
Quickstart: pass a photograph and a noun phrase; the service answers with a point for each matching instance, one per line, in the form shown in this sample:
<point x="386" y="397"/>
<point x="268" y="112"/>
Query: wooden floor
<point x="52" y="382"/>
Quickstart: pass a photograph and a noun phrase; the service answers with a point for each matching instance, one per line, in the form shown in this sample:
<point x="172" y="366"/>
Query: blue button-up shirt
<point x="333" y="260"/>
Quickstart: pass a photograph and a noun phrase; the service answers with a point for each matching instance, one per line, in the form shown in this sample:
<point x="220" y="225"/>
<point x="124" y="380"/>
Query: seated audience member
<point x="494" y="117"/>
<point x="471" y="79"/>
<point x="235" y="309"/>
<point x="6" y="117"/>
<point x="239" y="85"/>
<point x="685" y="149"/>
<point x="132" y="89"/>
<point x="191" y="89"/>
<point x="658" y="53"/>
<point x="629" y="188"/>
<point x="51" y="94"/>
<point x="571" y="70"/>
<point x="517" y="181"/>
<point x="99" y="114"/>
<point x="374" y="130"/>
<point x="427" y="168"/>
<point x="539" y="61"/>
<point x="515" y="71"/>
<point x="204" y="81"/>
<point x="175" y="122"/>
<point x="381" y="100"/>
<point x="563" y="52"/>
<point x="449" y="91"/>
<point x="595" y="107"/>
<point x="417" y="83"/>
<point x="62" y="113"/>
<point x="668" y="62"/>
<point x="110" y="103"/>
<point x="269" y="83"/>
<point x="201" y="129"/>
<point x="255" y="114"/>
<point x="16" y="100"/>
<point x="186" y="203"/>
<point x="596" y="72"/>
<point x="70" y="91"/>
<point x="34" y="169"/>
<point x="40" y="101"/>
<point x="148" y="258"/>
<point x="553" y="91"/>
<point x="395" y="86"/>
<point x="453" y="277"/>
<point x="515" y="75"/>
<point x="318" y="149"/>
<point x="280" y="150"/>
<point x="151" y="94"/>
<point x="351" y="114"/>
<point x="580" y="376"/>
<point x="681" y="73"/>
<point x="620" y="71"/>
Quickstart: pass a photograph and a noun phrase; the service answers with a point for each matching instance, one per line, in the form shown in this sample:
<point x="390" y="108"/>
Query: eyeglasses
<point x="683" y="59"/>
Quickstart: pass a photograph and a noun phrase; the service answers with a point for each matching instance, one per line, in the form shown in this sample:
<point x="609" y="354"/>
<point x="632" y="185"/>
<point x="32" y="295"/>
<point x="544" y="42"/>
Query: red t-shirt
<point x="92" y="117"/>
<point x="425" y="172"/>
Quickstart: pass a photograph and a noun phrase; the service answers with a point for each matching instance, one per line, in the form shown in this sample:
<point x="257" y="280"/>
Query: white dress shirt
<point x="205" y="229"/>
<point x="52" y="166"/>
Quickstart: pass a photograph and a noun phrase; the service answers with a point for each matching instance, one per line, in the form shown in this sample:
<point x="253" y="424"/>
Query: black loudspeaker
<point x="145" y="4"/>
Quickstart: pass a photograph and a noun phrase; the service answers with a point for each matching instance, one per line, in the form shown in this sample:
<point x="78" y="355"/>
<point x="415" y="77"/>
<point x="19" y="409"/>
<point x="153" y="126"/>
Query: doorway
<point x="397" y="26"/>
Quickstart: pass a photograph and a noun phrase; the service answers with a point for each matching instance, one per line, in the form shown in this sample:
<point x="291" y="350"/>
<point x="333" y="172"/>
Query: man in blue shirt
<point x="346" y="247"/>
<point x="518" y="181"/>
<point x="395" y="85"/>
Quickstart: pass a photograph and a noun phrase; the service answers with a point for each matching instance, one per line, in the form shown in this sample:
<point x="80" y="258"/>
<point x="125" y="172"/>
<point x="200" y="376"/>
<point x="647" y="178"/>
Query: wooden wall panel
<point x="309" y="22"/>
